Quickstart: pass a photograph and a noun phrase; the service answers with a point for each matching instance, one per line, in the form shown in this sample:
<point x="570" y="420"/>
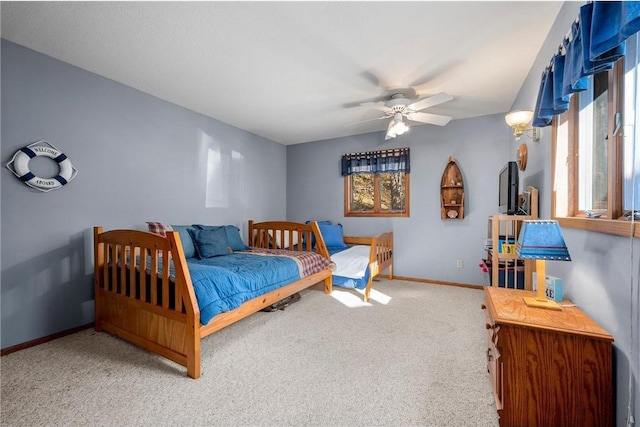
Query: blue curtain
<point x="597" y="40"/>
<point x="545" y="106"/>
<point x="393" y="160"/>
<point x="560" y="100"/>
<point x="543" y="118"/>
<point x="574" y="78"/>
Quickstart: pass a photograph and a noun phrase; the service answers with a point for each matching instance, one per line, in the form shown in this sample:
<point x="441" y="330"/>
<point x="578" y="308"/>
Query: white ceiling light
<point x="396" y="127"/>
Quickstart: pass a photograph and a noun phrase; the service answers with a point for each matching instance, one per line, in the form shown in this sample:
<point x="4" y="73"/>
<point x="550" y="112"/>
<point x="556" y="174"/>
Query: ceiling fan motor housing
<point x="399" y="106"/>
<point x="398" y="102"/>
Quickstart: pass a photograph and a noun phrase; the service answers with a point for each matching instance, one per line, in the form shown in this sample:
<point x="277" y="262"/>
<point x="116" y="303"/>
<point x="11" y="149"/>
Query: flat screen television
<point x="508" y="189"/>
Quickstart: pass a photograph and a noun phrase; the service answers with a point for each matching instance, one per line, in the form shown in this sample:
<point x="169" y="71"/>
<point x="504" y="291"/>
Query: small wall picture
<point x="525" y="203"/>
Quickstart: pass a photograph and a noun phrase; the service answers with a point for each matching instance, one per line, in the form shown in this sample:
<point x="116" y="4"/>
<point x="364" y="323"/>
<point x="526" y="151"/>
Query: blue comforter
<point x="224" y="283"/>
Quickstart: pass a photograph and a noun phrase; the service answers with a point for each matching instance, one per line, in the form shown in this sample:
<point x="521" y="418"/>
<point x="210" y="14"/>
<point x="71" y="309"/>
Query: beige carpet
<point x="414" y="356"/>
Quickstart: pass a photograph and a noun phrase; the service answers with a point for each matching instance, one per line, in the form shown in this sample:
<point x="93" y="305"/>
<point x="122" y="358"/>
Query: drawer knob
<point x="488" y="326"/>
<point x="484" y="307"/>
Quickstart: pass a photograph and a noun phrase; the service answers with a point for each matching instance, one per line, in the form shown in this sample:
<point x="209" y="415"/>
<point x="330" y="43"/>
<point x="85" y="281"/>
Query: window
<point x="630" y="156"/>
<point x="376" y="183"/>
<point x="593" y="119"/>
<point x="595" y="178"/>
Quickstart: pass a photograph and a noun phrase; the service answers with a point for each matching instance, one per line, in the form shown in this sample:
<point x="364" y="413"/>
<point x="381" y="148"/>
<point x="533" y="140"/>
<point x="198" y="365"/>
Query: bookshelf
<point x="505" y="229"/>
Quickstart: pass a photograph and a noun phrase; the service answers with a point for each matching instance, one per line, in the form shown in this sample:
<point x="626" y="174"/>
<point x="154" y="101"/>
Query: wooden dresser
<point x="548" y="367"/>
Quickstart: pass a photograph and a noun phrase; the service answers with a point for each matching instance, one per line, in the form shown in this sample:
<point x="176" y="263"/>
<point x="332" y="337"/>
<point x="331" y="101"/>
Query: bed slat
<point x="122" y="262"/>
<point x="143" y="274"/>
<point x="154" y="277"/>
<point x="165" y="279"/>
<point x="114" y="266"/>
<point x="132" y="271"/>
<point x="105" y="270"/>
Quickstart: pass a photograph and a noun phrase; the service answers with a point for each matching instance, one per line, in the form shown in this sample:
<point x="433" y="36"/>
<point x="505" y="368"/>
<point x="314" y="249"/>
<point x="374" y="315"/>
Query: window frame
<point x="376" y="210"/>
<point x="575" y="218"/>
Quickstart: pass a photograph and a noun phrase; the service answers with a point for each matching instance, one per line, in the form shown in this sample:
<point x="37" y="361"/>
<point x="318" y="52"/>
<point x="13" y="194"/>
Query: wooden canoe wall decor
<point x="452" y="192"/>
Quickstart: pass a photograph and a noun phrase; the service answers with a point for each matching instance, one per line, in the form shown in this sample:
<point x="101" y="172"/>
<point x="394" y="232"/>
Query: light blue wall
<point x="426" y="246"/>
<point x="602" y="278"/>
<point x="139" y="159"/>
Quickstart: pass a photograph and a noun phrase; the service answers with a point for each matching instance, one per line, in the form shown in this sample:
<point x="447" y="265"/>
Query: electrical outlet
<point x="459" y="263"/>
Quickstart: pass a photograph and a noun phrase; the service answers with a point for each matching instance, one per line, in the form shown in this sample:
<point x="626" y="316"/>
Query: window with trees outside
<point x="376" y="183"/>
<point x="594" y="163"/>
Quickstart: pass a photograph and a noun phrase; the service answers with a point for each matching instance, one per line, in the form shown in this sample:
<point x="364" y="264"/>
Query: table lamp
<point x="541" y="240"/>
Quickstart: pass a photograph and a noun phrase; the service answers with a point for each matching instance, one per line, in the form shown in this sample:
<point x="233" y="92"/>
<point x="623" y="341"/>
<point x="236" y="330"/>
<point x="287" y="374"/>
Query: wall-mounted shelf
<point x="452" y="192"/>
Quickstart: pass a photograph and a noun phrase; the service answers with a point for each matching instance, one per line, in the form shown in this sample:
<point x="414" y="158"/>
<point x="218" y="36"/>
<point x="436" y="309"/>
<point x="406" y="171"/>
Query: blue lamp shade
<point x="542" y="239"/>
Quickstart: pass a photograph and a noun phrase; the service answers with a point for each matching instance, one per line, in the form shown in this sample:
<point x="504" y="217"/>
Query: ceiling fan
<point x="399" y="107"/>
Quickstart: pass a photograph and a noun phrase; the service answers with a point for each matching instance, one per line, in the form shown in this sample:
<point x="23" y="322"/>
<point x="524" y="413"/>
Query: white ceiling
<point x="295" y="72"/>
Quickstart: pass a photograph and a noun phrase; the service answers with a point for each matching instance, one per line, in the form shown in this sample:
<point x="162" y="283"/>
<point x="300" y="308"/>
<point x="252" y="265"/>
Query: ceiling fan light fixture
<point x="397" y="127"/>
<point x="400" y="128"/>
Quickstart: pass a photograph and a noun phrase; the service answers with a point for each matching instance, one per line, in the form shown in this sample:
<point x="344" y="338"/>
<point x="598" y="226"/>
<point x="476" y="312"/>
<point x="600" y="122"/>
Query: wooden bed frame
<point x="380" y="257"/>
<point x="165" y="319"/>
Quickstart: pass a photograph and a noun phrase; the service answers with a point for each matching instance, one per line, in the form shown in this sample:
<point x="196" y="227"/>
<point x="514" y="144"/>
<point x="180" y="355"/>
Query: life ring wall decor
<point x="19" y="165"/>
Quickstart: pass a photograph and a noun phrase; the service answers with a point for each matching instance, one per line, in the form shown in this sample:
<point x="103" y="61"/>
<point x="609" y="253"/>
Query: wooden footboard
<point x="137" y="300"/>
<point x="380" y="257"/>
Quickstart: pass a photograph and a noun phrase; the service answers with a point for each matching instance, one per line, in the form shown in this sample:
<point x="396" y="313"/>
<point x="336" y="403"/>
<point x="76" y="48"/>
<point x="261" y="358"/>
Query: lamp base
<point x="534" y="302"/>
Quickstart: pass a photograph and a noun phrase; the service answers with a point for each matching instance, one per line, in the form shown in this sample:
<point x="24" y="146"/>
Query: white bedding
<point x="352" y="262"/>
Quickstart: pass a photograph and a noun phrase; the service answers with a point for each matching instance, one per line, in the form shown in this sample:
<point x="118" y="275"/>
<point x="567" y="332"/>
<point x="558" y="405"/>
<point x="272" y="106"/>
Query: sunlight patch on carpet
<point x="349" y="299"/>
<point x="377" y="296"/>
<point x="352" y="300"/>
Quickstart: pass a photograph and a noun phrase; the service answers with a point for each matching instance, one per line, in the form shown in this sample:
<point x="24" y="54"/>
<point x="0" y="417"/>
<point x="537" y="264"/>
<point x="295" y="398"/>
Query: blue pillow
<point x="232" y="232"/>
<point x="234" y="239"/>
<point x="211" y="242"/>
<point x="333" y="236"/>
<point x="313" y="238"/>
<point x="187" y="241"/>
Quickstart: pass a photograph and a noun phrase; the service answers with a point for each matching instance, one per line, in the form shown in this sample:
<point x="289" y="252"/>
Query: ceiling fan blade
<point x="430" y="101"/>
<point x="377" y="105"/>
<point x="374" y="78"/>
<point x="434" y="119"/>
<point x="367" y="120"/>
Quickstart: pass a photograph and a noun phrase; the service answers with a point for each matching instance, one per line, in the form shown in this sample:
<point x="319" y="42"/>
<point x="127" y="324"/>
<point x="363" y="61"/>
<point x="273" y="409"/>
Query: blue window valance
<point x="596" y="41"/>
<point x="393" y="160"/>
